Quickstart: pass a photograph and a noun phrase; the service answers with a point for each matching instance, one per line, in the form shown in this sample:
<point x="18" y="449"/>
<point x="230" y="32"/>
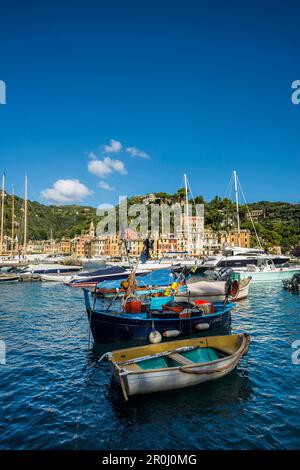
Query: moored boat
<point x="49" y="269"/>
<point x="87" y="279"/>
<point x="56" y="277"/>
<point x="6" y="277"/>
<point x="267" y="272"/>
<point x="147" y="325"/>
<point x="177" y="364"/>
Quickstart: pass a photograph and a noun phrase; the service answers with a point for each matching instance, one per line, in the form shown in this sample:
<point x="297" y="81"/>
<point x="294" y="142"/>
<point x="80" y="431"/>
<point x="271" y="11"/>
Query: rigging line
<point x="256" y="234"/>
<point x="74" y="324"/>
<point x="191" y="192"/>
<point x="229" y="187"/>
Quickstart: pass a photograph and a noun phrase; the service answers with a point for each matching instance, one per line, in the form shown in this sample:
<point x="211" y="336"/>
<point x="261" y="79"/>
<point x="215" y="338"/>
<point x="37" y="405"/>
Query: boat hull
<point x="212" y="291"/>
<point x="154" y="382"/>
<point x="8" y="278"/>
<point x="162" y="380"/>
<point x="107" y="327"/>
<point x="90" y="281"/>
<point x="270" y="276"/>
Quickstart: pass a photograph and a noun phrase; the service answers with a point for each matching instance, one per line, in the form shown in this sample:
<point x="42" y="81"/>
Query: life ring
<point x="234" y="290"/>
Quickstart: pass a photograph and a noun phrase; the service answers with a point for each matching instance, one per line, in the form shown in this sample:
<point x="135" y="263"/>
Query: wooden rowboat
<point x="176" y="364"/>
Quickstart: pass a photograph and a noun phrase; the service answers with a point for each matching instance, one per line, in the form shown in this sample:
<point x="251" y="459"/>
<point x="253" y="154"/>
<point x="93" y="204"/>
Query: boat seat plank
<point x="180" y="359"/>
<point x="133" y="367"/>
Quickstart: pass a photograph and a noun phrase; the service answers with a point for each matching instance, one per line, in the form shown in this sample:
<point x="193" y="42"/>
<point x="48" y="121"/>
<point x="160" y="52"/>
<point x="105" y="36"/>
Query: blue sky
<point x="182" y="86"/>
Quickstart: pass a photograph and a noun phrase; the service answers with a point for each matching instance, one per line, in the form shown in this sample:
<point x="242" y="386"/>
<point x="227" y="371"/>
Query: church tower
<point x="92" y="230"/>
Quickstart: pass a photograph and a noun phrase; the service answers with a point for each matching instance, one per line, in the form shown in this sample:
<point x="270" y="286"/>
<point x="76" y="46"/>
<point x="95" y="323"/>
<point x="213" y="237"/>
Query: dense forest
<point x="277" y="224"/>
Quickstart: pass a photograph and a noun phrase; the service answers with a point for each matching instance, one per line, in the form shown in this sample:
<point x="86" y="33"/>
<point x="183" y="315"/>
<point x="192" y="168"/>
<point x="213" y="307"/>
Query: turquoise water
<point x="55" y="395"/>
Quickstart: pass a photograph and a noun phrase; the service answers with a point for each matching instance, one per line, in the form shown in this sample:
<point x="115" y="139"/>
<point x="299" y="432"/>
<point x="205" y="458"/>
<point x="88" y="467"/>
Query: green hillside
<point x="279" y="224"/>
<point x="63" y="221"/>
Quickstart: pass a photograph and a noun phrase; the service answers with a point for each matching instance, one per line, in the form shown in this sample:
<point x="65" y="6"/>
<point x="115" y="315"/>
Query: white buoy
<point x="154" y="337"/>
<point x="202" y="326"/>
<point x="171" y="333"/>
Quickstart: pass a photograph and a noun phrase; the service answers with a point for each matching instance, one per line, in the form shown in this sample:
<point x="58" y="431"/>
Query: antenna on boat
<point x="237" y="206"/>
<point x="2" y="213"/>
<point x="25" y="215"/>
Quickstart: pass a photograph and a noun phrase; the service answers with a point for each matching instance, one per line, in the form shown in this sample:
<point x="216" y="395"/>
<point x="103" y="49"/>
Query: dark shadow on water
<point x="204" y="399"/>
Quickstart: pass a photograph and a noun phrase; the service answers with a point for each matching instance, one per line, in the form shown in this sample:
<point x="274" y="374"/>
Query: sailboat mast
<point x="187" y="213"/>
<point x="12" y="220"/>
<point x="237" y="206"/>
<point x="25" y="216"/>
<point x="2" y="213"/>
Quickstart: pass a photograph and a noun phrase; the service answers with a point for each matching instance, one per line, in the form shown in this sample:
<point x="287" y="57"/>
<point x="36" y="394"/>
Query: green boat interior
<point x="187" y="358"/>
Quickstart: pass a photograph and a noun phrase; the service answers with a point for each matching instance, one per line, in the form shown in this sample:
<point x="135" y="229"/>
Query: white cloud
<point x="113" y="147"/>
<point x="99" y="168"/>
<point x="134" y="152"/>
<point x="105" y="185"/>
<point x="116" y="165"/>
<point x="66" y="192"/>
<point x="105" y="167"/>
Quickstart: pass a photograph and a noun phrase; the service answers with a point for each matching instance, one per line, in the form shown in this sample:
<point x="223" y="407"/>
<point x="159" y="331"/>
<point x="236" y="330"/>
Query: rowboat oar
<point x="153" y="356"/>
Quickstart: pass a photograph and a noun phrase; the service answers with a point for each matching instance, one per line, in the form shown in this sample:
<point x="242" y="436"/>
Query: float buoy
<point x="202" y="326"/>
<point x="171" y="333"/>
<point x="154" y="337"/>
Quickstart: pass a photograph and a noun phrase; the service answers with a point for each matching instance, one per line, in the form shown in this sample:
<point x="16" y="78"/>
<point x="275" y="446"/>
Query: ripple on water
<point x="55" y="395"/>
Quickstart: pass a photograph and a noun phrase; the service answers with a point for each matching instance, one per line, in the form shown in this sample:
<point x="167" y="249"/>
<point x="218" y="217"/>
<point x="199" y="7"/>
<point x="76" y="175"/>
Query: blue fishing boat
<point x="151" y="326"/>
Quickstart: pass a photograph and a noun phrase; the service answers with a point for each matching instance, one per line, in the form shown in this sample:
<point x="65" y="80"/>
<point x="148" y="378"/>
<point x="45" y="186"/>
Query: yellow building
<point x="112" y="246"/>
<point x="65" y="246"/>
<point x="245" y="238"/>
<point x="135" y="247"/>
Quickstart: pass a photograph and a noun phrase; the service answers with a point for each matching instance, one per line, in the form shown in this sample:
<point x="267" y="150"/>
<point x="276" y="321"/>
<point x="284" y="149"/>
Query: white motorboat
<point x="56" y="278"/>
<point x="266" y="271"/>
<point x="239" y="258"/>
<point x="49" y="269"/>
